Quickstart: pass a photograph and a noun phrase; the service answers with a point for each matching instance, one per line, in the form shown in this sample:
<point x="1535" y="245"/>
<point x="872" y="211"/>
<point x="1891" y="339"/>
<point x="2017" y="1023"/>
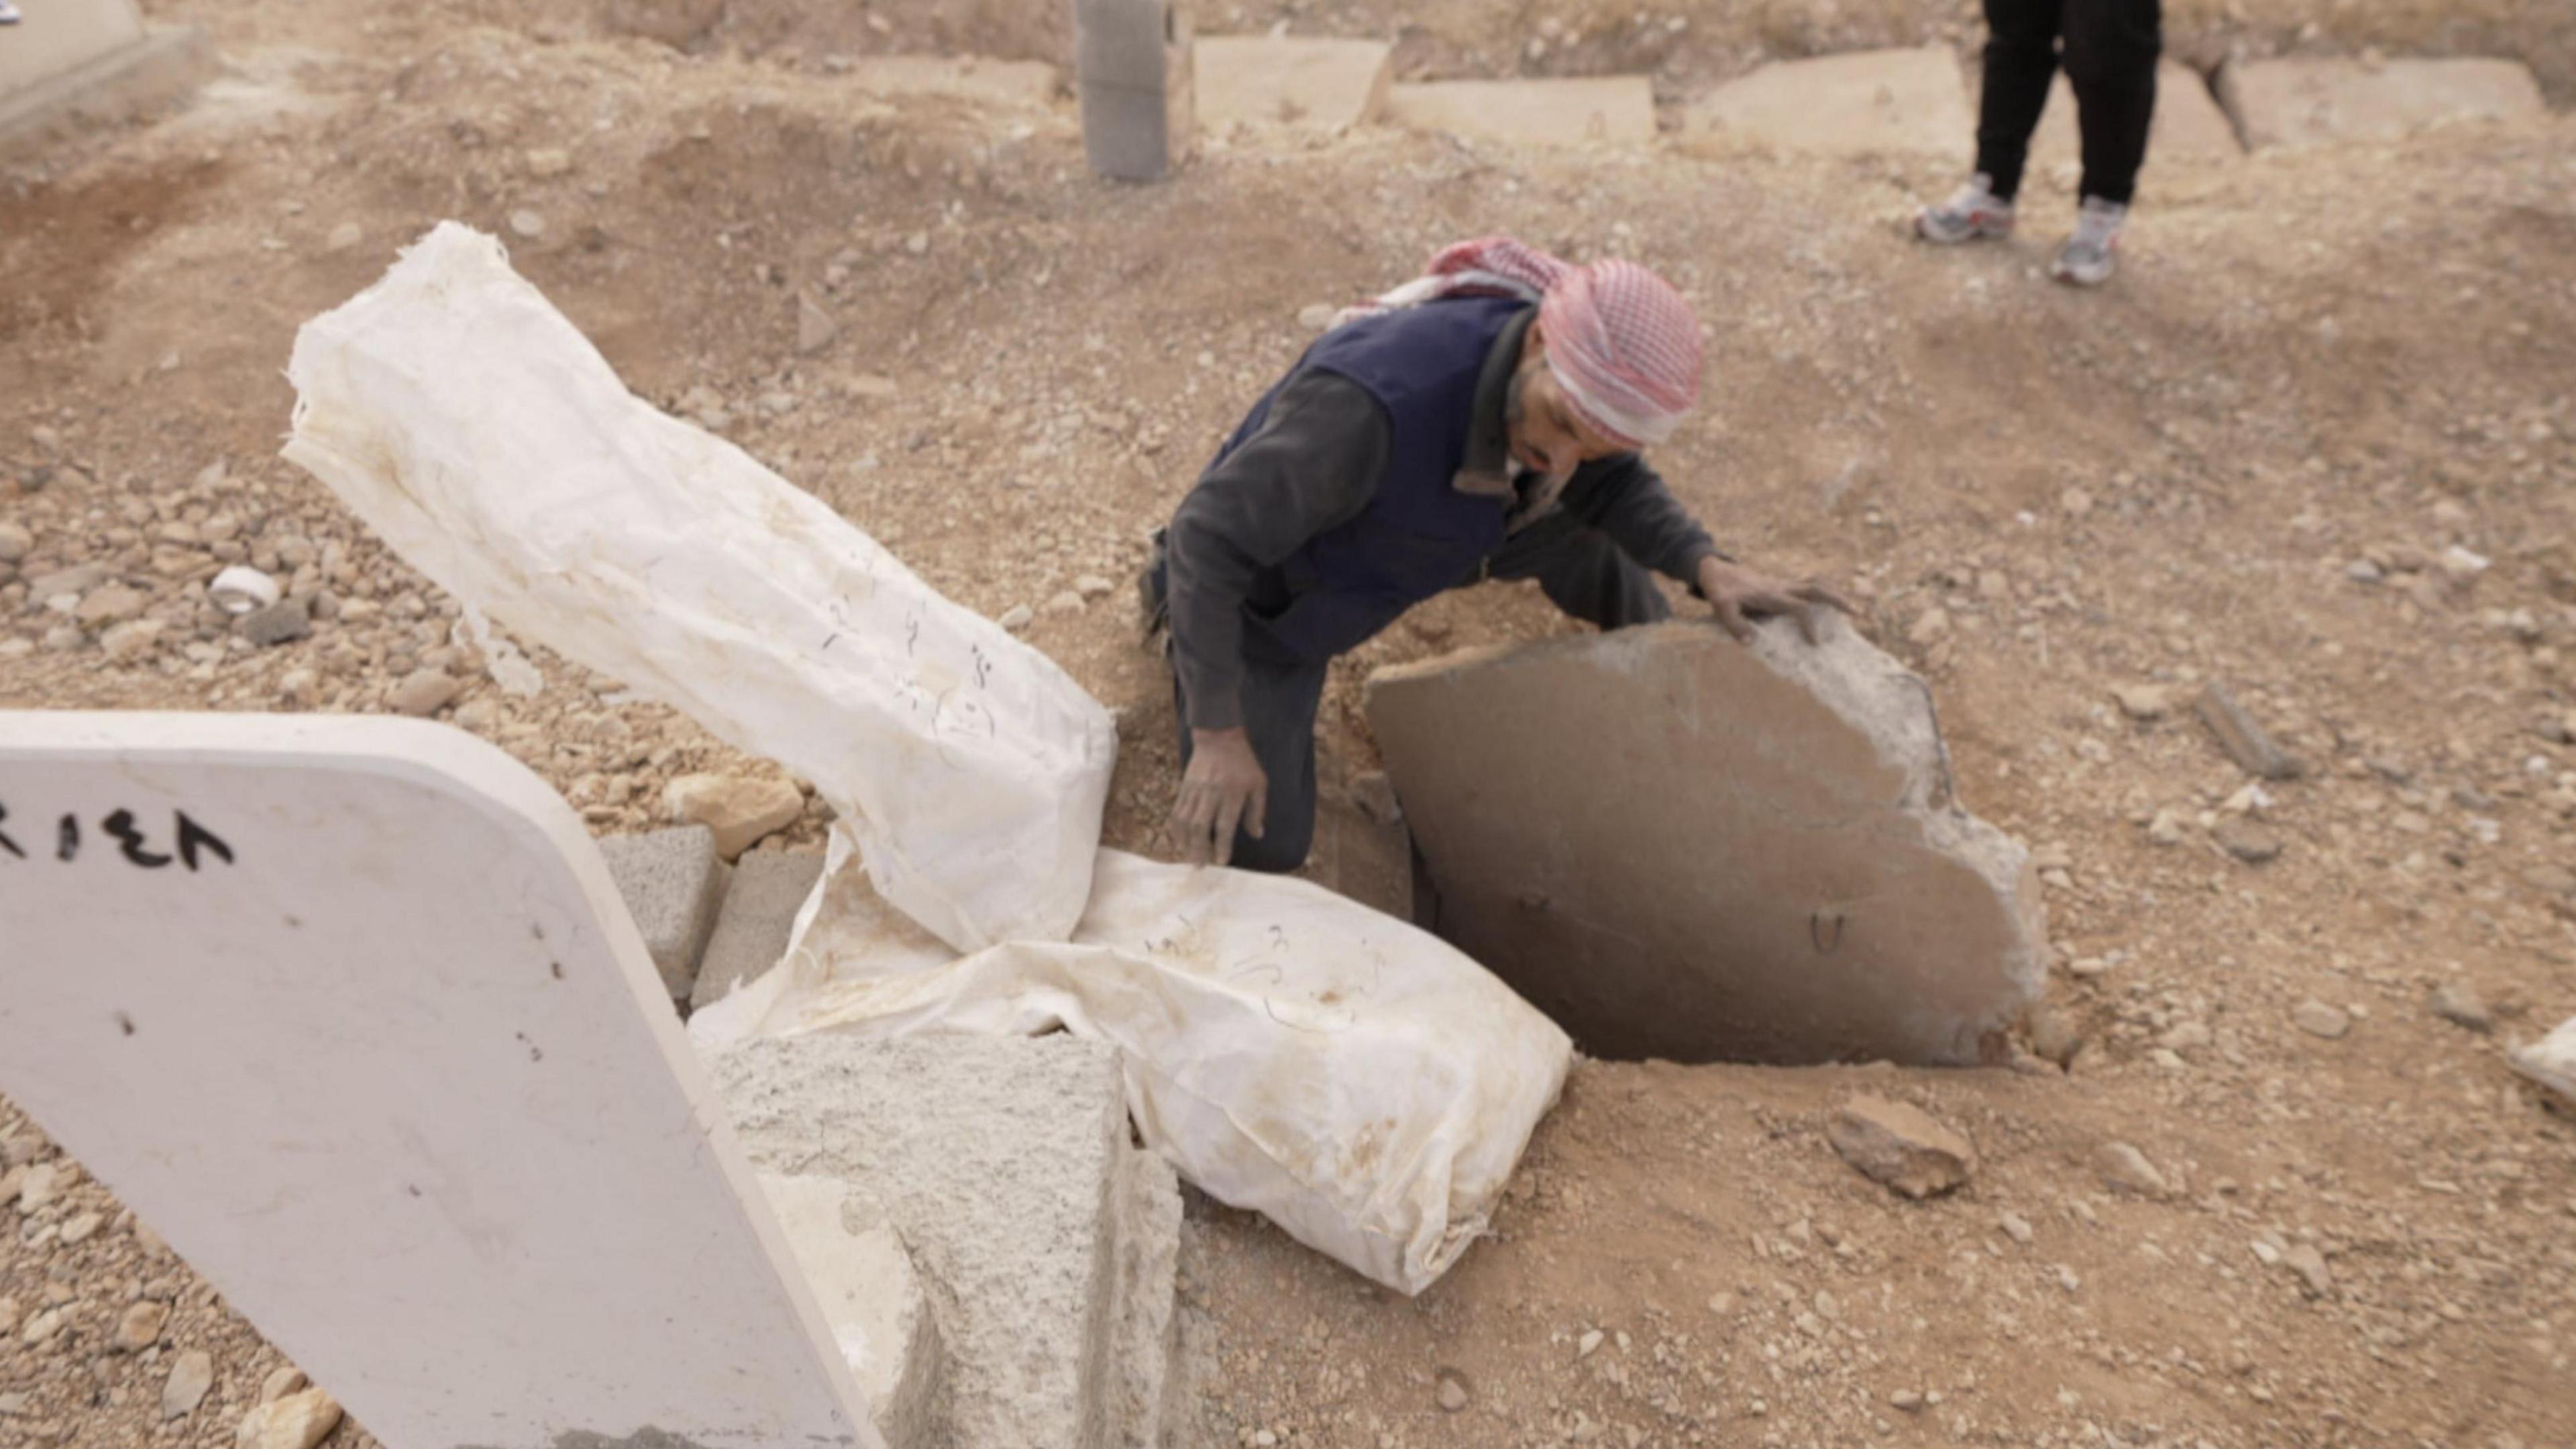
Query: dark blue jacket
<point x="1419" y="534"/>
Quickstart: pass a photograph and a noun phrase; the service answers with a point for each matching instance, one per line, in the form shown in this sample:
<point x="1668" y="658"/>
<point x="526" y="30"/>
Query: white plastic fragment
<point x="242" y="589"/>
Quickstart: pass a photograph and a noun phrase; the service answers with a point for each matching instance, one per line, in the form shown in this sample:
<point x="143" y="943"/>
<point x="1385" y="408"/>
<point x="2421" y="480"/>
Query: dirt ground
<point x="2318" y="442"/>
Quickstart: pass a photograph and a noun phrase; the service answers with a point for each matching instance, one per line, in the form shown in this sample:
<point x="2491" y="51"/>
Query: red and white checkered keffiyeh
<point x="1622" y="343"/>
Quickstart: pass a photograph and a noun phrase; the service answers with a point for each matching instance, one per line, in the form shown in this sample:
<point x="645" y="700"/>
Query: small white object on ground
<point x="2551" y="1061"/>
<point x="242" y="589"/>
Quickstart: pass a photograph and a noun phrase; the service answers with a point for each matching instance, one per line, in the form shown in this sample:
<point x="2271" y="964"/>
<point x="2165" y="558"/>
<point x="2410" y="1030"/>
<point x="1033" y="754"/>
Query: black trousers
<point x="1577" y="567"/>
<point x="2110" y="49"/>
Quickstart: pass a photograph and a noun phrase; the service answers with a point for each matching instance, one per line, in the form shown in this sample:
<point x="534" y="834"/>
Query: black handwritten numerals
<point x="193" y="843"/>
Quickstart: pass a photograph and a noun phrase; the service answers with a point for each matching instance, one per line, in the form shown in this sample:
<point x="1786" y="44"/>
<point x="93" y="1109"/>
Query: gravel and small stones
<point x="2248" y="841"/>
<point x="190" y="1377"/>
<point x="296" y="1421"/>
<point x="2458" y="1003"/>
<point x="1452" y="1394"/>
<point x="283" y="622"/>
<point x="2318" y="1019"/>
<point x="424" y="692"/>
<point x="2125" y="1169"/>
<point x="1901" y="1146"/>
<point x="141" y="1324"/>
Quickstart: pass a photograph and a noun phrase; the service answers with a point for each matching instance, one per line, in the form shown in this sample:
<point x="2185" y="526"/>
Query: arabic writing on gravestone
<point x="191" y="844"/>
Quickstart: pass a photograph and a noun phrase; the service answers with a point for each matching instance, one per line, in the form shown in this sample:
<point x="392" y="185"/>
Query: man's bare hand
<point x="1741" y="595"/>
<point x="1223" y="788"/>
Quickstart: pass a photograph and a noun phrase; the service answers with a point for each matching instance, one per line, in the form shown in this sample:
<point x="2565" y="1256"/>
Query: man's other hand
<point x="1741" y="595"/>
<point x="1223" y="788"/>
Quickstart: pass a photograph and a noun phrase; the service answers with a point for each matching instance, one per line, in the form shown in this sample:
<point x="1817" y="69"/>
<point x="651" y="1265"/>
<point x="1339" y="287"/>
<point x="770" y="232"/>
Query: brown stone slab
<point x="2314" y="102"/>
<point x="1292" y="82"/>
<point x="1864" y="103"/>
<point x="1680" y="847"/>
<point x="1590" y="110"/>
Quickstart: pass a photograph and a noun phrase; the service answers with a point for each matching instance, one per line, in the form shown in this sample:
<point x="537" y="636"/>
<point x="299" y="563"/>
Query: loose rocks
<point x="2243" y="739"/>
<point x="131" y="640"/>
<point x="141" y="1326"/>
<point x="297" y="1421"/>
<point x="186" y="1387"/>
<point x="2125" y="1169"/>
<point x="2142" y="701"/>
<point x="1900" y="1146"/>
<point x="2318" y="1019"/>
<point x="424" y="692"/>
<point x="1453" y="1394"/>
<point x="738" y="809"/>
<point x="2251" y="843"/>
<point x="2310" y="1265"/>
<point x="283" y="622"/>
<point x="280" y="1382"/>
<point x="111" y="605"/>
<point x="2458" y="1003"/>
<point x="815" y="327"/>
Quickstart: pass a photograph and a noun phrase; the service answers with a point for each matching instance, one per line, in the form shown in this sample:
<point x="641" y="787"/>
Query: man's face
<point x="1546" y="435"/>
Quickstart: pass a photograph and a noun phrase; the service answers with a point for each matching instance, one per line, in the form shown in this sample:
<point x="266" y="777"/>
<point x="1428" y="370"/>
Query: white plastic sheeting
<point x="476" y="430"/>
<point x="1354" y="1079"/>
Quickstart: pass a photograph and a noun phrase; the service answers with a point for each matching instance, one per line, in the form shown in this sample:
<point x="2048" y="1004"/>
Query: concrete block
<point x="758" y="915"/>
<point x="673" y="884"/>
<point x="872" y="1300"/>
<point x="1135" y="73"/>
<point x="2189" y="127"/>
<point x="1005" y="1165"/>
<point x="141" y="76"/>
<point x="1758" y="856"/>
<point x="1028" y="83"/>
<point x="1593" y="110"/>
<point x="1863" y="103"/>
<point x="1301" y="84"/>
<point x="2314" y="102"/>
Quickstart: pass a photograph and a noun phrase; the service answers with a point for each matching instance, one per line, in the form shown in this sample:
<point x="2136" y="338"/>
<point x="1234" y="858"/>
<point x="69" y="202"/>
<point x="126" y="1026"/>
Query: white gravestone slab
<point x="348" y="1011"/>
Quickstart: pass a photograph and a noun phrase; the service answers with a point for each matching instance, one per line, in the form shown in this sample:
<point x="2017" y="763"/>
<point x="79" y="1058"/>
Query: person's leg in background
<point x="2020" y="62"/>
<point x="2111" y="51"/>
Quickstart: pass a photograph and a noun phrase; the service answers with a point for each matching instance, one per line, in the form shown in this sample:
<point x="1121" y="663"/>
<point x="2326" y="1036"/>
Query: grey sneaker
<point x="1973" y="213"/>
<point x="2093" y="252"/>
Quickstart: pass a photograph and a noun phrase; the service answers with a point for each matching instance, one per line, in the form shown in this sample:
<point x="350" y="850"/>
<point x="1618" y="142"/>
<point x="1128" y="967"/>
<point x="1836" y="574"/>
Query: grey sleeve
<point x="1630" y="502"/>
<point x="1314" y="464"/>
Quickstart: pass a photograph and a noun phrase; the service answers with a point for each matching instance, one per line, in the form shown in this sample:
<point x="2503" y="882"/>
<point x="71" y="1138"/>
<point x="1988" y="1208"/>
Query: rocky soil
<point x="2316" y="444"/>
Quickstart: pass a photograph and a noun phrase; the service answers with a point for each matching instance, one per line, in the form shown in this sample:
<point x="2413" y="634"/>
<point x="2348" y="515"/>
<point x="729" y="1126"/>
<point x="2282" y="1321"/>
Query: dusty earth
<point x="2318" y="442"/>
